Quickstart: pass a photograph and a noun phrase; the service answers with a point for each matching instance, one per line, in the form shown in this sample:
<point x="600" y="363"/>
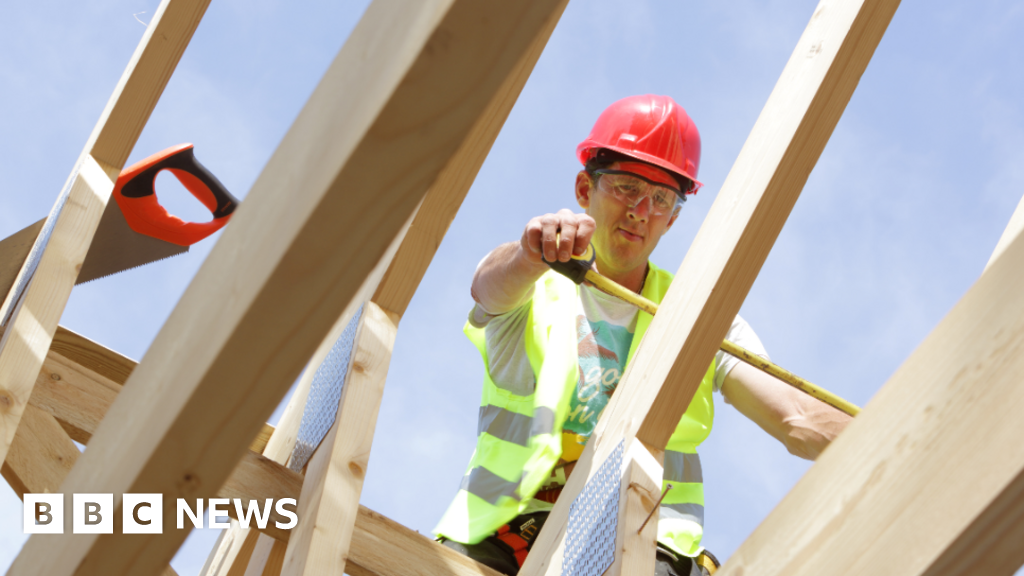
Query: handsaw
<point x="134" y="229"/>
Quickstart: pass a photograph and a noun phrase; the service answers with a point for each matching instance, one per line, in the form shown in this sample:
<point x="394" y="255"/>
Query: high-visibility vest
<point x="520" y="431"/>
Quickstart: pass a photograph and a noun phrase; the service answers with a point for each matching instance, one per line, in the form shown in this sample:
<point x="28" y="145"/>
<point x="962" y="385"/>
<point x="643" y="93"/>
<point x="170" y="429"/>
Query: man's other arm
<point x="802" y="423"/>
<point x="504" y="278"/>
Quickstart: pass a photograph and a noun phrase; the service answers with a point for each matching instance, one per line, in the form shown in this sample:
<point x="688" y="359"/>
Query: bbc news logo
<point x="143" y="513"/>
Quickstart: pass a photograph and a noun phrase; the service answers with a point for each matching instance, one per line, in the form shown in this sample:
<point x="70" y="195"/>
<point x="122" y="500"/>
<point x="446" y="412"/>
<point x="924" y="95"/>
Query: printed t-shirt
<point x="604" y="329"/>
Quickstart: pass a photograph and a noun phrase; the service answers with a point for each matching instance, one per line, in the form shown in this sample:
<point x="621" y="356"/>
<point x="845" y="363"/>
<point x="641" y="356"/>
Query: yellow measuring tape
<point x="609" y="287"/>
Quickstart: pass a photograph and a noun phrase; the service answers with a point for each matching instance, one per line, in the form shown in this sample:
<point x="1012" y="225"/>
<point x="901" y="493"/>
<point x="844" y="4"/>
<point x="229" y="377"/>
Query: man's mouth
<point x="631" y="236"/>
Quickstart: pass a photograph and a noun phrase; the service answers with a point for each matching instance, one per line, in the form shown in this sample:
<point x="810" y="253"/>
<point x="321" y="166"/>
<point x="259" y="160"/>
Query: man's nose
<point x="641" y="210"/>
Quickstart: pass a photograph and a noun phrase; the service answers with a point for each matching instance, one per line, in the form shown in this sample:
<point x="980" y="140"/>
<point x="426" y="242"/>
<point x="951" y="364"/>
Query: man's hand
<point x="557" y="236"/>
<point x="504" y="278"/>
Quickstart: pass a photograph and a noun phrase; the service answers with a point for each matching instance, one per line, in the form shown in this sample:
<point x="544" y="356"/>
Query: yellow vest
<point x="520" y="438"/>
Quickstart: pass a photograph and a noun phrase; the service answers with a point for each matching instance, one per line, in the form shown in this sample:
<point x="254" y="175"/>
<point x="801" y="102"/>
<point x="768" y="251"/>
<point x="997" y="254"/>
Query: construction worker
<point x="554" y="351"/>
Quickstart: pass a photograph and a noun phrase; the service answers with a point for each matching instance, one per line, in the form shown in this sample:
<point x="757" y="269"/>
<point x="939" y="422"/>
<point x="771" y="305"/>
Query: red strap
<point x="516" y="542"/>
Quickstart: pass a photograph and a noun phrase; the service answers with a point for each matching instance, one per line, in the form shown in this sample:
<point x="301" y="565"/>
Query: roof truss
<point x="290" y="268"/>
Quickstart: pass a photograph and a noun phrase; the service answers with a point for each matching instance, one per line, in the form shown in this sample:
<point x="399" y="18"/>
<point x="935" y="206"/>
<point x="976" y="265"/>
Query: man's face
<point x="625" y="236"/>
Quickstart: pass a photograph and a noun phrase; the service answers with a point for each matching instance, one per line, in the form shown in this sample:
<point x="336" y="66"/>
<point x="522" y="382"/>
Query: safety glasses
<point x="631" y="189"/>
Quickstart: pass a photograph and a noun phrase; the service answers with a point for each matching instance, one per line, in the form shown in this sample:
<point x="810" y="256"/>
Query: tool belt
<point x="519" y="534"/>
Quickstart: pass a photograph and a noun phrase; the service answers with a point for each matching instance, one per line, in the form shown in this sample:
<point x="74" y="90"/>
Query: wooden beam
<point x="732" y="244"/>
<point x="379" y="545"/>
<point x="1013" y="229"/>
<point x="929" y="478"/>
<point x="254" y="557"/>
<point x="78" y="397"/>
<point x="40" y="456"/>
<point x="356" y="164"/>
<point x="334" y="477"/>
<point x="257" y="477"/>
<point x="34" y="314"/>
<point x="445" y="197"/>
<point x="93" y="355"/>
<point x="383" y="547"/>
<point x="231" y="553"/>
<point x="322" y="539"/>
<point x="637" y="540"/>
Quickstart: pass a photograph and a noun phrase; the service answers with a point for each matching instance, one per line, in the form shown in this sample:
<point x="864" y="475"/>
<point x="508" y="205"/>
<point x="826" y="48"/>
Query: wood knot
<point x="356" y="469"/>
<point x="55" y="376"/>
<point x="188" y="484"/>
<point x="6" y="400"/>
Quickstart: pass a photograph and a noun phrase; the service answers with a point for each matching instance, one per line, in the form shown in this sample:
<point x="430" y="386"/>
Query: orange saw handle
<point x="136" y="196"/>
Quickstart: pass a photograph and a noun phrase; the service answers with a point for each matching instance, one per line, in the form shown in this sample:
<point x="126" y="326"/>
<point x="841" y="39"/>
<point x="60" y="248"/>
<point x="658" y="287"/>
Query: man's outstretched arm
<point x="505" y="276"/>
<point x="802" y="423"/>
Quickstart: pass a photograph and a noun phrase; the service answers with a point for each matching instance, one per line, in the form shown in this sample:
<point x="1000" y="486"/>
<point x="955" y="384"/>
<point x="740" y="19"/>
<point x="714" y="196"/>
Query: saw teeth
<point x="116" y="272"/>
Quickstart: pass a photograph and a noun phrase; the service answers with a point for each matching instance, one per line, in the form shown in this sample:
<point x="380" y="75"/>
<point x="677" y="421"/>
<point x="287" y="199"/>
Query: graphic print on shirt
<point x="603" y="348"/>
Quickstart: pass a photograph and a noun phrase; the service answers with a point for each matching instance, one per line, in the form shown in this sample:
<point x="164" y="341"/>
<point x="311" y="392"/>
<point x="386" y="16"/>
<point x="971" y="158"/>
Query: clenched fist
<point x="557" y="236"/>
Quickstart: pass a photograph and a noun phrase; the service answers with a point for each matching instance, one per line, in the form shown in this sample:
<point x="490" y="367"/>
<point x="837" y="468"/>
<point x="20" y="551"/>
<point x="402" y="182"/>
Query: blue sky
<point x="895" y="223"/>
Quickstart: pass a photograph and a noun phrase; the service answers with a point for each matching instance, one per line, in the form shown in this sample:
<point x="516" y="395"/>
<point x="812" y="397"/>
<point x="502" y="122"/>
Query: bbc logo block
<point x="44" y="513"/>
<point x="143" y="513"/>
<point x="92" y="514"/>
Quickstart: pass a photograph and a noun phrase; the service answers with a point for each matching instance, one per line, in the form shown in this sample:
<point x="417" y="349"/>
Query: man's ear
<point x="584" y="187"/>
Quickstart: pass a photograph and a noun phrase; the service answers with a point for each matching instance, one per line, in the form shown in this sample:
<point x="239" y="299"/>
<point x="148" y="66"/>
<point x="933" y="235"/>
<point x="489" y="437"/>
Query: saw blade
<point x="116" y="247"/>
<point x="14" y="250"/>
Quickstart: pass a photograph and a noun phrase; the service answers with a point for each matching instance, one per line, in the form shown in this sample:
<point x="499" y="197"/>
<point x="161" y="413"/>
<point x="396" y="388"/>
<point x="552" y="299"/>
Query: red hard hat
<point x="650" y="128"/>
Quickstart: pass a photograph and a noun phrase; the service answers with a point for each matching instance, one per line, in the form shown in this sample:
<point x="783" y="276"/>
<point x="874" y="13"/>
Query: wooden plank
<point x="334" y="477"/>
<point x="28" y="333"/>
<point x="332" y="537"/>
<point x="232" y="552"/>
<point x="34" y="317"/>
<point x="76" y="396"/>
<point x="398" y="286"/>
<point x="356" y="164"/>
<point x="73" y="397"/>
<point x="257" y="477"/>
<point x="929" y="478"/>
<point x="279" y="448"/>
<point x="731" y="246"/>
<point x="380" y="545"/>
<point x="13" y="251"/>
<point x="1013" y="229"/>
<point x="275" y="560"/>
<point x="383" y="547"/>
<point x="79" y="397"/>
<point x="93" y="355"/>
<point x="445" y="197"/>
<point x="41" y="455"/>
<point x="635" y="541"/>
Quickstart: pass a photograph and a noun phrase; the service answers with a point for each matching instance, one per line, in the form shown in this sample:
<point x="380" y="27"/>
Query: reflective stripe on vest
<point x="485" y="484"/>
<point x="688" y="512"/>
<point x="519" y="436"/>
<point x="514" y="427"/>
<point x="682" y="467"/>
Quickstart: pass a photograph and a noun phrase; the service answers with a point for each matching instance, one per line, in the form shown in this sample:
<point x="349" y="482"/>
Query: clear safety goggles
<point x="631" y="189"/>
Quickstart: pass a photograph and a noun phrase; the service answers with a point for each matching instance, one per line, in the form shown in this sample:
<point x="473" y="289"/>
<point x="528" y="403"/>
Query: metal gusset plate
<point x="324" y="395"/>
<point x="593" y="519"/>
